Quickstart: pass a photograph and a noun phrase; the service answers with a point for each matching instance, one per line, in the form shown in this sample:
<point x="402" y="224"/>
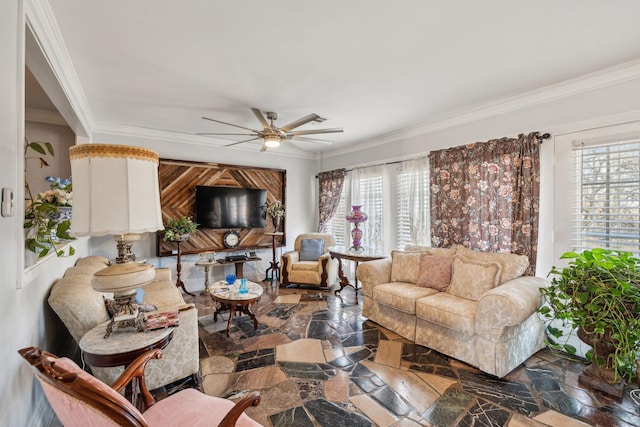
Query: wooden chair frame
<point x="45" y="368"/>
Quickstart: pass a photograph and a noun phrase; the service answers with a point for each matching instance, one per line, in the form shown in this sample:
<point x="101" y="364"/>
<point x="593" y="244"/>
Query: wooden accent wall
<point x="178" y="180"/>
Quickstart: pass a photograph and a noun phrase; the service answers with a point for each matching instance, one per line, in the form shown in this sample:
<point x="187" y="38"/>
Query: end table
<point x="275" y="265"/>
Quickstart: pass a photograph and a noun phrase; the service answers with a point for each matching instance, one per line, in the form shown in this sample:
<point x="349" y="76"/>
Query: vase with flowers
<point x="48" y="217"/>
<point x="276" y="211"/>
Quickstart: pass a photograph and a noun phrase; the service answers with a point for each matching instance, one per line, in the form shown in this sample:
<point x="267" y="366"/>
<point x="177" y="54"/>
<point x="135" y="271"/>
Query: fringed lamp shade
<point x="115" y="190"/>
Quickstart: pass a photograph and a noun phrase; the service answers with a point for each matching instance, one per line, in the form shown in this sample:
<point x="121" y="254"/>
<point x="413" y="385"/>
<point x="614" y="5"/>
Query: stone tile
<point x="518" y="420"/>
<point x="407" y="384"/>
<point x="391" y="400"/>
<point x="389" y="353"/>
<point x="449" y="407"/>
<point x="333" y="353"/>
<point x="556" y="419"/>
<point x="327" y="414"/>
<point x="257" y="359"/>
<point x="310" y="389"/>
<point x="302" y="350"/>
<point x="484" y="413"/>
<point x="437" y="382"/>
<point x="294" y="417"/>
<point x="287" y="299"/>
<point x="336" y="389"/>
<point x="216" y="365"/>
<point x="216" y="384"/>
<point x="317" y="371"/>
<point x="265" y="341"/>
<point x="280" y="398"/>
<point x="257" y="379"/>
<point x="373" y="410"/>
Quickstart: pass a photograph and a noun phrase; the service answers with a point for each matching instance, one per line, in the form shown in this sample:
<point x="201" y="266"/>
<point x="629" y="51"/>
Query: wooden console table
<point x="340" y="253"/>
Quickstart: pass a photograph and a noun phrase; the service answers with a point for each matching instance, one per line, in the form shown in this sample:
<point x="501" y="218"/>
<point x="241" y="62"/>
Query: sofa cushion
<point x="404" y="266"/>
<point x="450" y="252"/>
<point x="512" y="265"/>
<point x="449" y="311"/>
<point x="305" y="265"/>
<point x="434" y="272"/>
<point x="311" y="249"/>
<point x="401" y="296"/>
<point x="470" y="278"/>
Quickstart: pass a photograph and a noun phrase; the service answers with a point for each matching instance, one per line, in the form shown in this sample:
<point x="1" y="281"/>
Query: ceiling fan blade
<point x="300" y="122"/>
<point x="265" y="124"/>
<point x="241" y="142"/>
<point x="320" y="141"/>
<point x="236" y="134"/>
<point x="263" y="148"/>
<point x="229" y="124"/>
<point x="315" y="131"/>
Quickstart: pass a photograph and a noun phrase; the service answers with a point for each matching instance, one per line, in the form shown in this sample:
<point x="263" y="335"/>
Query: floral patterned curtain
<point x="485" y="196"/>
<point x="330" y="184"/>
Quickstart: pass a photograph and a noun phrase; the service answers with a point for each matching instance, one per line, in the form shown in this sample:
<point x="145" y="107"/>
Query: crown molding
<point x="585" y="83"/>
<point x="44" y="27"/>
<point x="187" y="138"/>
<point x="44" y="116"/>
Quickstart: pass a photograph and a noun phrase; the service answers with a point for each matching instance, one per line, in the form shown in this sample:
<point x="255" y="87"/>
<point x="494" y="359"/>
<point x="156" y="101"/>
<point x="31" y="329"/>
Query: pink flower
<point x="493" y="230"/>
<point x="505" y="159"/>
<point x="505" y="190"/>
<point x="473" y="169"/>
<point x="471" y="201"/>
<point x="505" y="223"/>
<point x="493" y="168"/>
<point x="444" y="174"/>
<point x="526" y="229"/>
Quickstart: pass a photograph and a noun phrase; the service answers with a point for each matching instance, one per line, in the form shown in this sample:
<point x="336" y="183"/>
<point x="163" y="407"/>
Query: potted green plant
<point x="276" y="211"/>
<point x="179" y="228"/>
<point x="47" y="218"/>
<point x="598" y="295"/>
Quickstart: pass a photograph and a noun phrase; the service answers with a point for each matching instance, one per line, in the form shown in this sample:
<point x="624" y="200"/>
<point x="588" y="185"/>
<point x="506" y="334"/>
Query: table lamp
<point x="115" y="191"/>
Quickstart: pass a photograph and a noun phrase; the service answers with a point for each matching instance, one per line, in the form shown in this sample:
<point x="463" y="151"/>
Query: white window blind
<point x="337" y="224"/>
<point x="607" y="197"/>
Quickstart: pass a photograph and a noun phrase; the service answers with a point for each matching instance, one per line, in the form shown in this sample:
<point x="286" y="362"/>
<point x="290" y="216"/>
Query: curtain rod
<point x="545" y="135"/>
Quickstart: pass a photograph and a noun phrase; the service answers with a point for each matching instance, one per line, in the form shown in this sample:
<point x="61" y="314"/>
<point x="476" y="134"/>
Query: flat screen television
<point x="230" y="207"/>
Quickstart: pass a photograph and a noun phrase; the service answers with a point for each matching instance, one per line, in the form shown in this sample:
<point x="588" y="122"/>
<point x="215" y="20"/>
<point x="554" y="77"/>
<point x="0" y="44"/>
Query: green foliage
<point x="174" y="228"/>
<point x="599" y="292"/>
<point x="275" y="209"/>
<point x="40" y="211"/>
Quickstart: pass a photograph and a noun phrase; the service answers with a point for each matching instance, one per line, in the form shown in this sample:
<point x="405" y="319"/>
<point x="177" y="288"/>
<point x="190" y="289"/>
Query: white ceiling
<point x="369" y="66"/>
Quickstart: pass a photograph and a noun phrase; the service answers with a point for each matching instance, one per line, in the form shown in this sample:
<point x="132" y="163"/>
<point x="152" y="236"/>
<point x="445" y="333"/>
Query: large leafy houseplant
<point x="179" y="228"/>
<point x="598" y="293"/>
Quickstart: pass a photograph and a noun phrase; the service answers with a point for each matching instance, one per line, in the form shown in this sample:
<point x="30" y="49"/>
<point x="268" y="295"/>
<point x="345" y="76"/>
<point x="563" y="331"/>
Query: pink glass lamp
<point x="356" y="217"/>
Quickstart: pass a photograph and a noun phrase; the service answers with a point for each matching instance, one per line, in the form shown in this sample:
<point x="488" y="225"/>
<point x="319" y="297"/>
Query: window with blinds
<point x="607" y="199"/>
<point x="407" y="208"/>
<point x="337" y="224"/>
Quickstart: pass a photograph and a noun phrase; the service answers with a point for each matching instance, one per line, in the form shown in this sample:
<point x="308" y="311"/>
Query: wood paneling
<point x="178" y="180"/>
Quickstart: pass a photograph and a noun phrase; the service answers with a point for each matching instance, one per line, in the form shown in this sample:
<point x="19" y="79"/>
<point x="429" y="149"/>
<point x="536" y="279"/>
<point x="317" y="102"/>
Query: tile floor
<point x="317" y="362"/>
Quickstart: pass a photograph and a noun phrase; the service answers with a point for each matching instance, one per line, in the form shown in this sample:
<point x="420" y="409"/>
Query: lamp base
<point x="124" y="313"/>
<point x="136" y="322"/>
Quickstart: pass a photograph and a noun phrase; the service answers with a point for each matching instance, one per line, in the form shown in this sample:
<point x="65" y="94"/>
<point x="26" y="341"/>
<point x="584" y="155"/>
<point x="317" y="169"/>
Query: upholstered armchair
<point x="79" y="399"/>
<point x="310" y="263"/>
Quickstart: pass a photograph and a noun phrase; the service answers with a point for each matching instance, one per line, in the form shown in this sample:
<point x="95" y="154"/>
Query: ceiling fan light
<point x="272" y="141"/>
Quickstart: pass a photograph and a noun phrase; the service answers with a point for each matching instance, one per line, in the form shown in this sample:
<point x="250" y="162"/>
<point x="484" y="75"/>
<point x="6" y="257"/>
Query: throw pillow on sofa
<point x="512" y="265"/>
<point x="311" y="249"/>
<point x="470" y="278"/>
<point x="405" y="266"/>
<point x="434" y="272"/>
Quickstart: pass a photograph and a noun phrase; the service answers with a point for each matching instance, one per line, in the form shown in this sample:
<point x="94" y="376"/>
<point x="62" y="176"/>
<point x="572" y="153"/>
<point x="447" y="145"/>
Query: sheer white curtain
<point x="415" y="189"/>
<point x="367" y="190"/>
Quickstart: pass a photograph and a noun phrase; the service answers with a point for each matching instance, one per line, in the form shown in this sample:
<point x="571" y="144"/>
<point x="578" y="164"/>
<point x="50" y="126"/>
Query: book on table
<point x="162" y="320"/>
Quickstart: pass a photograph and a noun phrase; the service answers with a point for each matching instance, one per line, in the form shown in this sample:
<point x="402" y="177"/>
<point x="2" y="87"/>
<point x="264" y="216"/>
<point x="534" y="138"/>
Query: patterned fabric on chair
<point x="80" y="399"/>
<point x="319" y="271"/>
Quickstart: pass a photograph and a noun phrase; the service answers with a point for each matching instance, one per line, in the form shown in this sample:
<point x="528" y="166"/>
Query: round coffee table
<point x="228" y="298"/>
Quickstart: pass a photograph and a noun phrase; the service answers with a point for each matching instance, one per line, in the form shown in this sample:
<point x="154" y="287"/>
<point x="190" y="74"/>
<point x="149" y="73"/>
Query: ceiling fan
<point x="272" y="135"/>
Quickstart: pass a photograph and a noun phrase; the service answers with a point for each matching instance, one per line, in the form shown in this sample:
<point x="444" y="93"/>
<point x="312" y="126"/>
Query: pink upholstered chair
<point x="79" y="399"/>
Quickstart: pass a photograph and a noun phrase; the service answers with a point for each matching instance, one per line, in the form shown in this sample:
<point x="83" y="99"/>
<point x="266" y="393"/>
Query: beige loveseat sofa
<point x="473" y="306"/>
<point x="81" y="309"/>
